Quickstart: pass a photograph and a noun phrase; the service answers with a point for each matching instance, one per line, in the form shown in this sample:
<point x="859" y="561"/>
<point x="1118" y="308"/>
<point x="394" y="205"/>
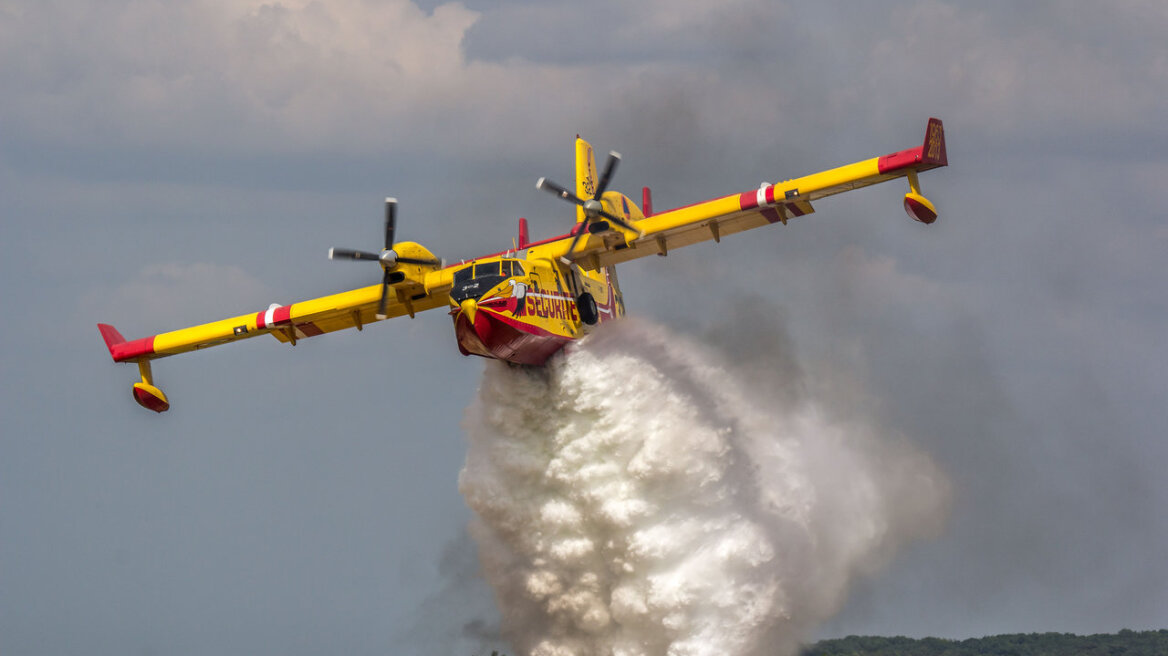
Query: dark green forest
<point x="1125" y="643"/>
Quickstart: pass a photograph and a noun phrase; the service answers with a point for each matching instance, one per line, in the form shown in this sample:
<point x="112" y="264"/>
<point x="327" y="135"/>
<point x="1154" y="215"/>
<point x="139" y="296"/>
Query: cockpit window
<point x="512" y="268"/>
<point x="475" y="280"/>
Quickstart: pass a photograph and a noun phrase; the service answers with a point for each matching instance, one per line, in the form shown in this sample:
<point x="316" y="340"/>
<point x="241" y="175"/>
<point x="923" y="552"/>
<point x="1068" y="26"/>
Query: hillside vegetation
<point x="1124" y="643"/>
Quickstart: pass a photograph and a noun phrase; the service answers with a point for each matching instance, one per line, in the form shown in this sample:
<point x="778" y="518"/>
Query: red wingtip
<point x="121" y="350"/>
<point x="111" y="336"/>
<point x="930" y="155"/>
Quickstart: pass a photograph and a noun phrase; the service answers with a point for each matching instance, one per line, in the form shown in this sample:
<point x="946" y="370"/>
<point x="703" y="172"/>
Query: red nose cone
<point x="919" y="208"/>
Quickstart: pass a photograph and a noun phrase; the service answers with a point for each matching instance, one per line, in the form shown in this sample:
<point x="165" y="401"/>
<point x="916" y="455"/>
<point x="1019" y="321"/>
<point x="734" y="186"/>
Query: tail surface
<point x="585" y="174"/>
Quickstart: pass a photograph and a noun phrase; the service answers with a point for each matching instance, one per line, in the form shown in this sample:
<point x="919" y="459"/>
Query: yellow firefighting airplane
<point x="523" y="305"/>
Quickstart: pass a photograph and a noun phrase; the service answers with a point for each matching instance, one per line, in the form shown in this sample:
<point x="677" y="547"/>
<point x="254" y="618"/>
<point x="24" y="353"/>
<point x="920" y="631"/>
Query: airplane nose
<point x="469" y="307"/>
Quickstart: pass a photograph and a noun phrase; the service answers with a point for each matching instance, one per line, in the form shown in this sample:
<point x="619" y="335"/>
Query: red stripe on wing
<point x="282" y="315"/>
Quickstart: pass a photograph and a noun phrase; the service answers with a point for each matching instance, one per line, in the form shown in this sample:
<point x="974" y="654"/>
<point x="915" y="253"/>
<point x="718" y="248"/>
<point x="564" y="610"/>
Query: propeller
<point x="593" y="208"/>
<point x="388" y="258"/>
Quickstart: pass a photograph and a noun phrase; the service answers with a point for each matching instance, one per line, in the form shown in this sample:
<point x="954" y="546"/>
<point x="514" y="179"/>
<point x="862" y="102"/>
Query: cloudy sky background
<point x="165" y="164"/>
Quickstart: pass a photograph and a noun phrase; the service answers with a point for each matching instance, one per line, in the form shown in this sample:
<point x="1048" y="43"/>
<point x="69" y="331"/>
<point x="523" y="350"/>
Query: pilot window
<point x="486" y="269"/>
<point x="512" y="268"/>
<point x="475" y="280"/>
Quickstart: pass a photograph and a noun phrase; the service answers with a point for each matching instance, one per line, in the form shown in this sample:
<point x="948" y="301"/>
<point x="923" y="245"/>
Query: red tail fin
<point x="111" y="336"/>
<point x="933" y="150"/>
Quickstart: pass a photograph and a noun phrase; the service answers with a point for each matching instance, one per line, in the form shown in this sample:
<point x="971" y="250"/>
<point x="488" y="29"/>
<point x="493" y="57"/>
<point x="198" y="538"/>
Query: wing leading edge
<point x="287" y="323"/>
<point x="770" y="203"/>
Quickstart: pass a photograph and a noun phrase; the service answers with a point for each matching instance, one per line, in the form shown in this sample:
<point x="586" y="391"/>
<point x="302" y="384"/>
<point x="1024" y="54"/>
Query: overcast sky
<point x="165" y="164"/>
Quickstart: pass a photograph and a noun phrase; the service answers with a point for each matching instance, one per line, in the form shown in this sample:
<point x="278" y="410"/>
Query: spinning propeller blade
<point x="390" y="221"/>
<point x="383" y="304"/>
<point x="544" y="183"/>
<point x="388" y="258"/>
<point x="619" y="221"/>
<point x="580" y="230"/>
<point x="350" y="254"/>
<point x="593" y="207"/>
<point x="609" y="168"/>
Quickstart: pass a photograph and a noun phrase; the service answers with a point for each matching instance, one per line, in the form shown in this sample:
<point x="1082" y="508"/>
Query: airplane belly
<point x="495" y="336"/>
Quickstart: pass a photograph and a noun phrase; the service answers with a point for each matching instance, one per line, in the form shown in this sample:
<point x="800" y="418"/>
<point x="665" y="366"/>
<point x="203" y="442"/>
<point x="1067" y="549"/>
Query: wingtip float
<point x="524" y="304"/>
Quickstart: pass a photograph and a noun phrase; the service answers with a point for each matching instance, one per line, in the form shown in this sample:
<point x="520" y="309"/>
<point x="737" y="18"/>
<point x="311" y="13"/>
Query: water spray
<point x="636" y="498"/>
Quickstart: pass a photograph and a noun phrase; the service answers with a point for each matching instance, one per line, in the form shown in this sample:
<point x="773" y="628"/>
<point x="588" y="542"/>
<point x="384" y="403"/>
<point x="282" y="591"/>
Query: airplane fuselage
<point x="525" y="310"/>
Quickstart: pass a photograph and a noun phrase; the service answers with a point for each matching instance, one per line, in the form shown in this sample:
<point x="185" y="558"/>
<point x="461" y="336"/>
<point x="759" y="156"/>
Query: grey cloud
<point x="1018" y="340"/>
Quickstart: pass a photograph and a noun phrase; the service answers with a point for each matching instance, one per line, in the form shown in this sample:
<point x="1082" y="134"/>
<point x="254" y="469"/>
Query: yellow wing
<point x="409" y="293"/>
<point x="770" y="203"/>
<point x="287" y="323"/>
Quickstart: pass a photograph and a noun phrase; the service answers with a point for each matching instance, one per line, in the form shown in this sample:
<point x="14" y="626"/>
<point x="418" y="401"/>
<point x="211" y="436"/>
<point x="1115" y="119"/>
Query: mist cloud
<point x="641" y="496"/>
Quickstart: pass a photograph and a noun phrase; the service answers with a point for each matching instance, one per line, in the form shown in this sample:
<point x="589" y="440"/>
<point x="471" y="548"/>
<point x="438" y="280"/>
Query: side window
<point x="516" y="268"/>
<point x="487" y="269"/>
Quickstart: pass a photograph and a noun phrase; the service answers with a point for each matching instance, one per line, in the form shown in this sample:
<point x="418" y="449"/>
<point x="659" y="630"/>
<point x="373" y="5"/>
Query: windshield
<point x="475" y="280"/>
<point x="462" y="275"/>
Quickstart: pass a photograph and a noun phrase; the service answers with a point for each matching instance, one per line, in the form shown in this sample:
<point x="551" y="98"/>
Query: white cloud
<point x="354" y="77"/>
<point x="292" y="75"/>
<point x="1042" y="269"/>
<point x="221" y="77"/>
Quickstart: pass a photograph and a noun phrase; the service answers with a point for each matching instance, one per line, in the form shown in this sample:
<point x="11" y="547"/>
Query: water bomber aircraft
<point x="524" y="304"/>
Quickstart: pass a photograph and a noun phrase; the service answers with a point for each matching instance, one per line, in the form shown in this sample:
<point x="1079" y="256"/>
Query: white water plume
<point x="636" y="498"/>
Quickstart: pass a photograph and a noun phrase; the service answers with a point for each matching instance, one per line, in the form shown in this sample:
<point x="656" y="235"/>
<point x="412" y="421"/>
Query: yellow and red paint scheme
<point x="525" y="304"/>
<point x="529" y="312"/>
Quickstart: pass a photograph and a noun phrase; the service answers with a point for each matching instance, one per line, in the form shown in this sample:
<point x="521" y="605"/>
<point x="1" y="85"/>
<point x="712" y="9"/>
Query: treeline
<point x="1124" y="643"/>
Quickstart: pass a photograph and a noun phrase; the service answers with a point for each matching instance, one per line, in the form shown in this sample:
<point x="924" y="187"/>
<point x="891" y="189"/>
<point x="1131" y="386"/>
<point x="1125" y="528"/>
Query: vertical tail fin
<point x="111" y="336"/>
<point x="934" y="148"/>
<point x="585" y="174"/>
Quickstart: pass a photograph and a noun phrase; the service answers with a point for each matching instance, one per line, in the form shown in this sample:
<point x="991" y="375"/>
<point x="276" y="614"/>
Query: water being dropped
<point x="642" y="496"/>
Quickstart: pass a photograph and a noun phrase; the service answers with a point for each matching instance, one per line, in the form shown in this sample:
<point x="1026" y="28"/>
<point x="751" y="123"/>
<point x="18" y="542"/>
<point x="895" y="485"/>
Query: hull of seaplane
<point x="494" y="334"/>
